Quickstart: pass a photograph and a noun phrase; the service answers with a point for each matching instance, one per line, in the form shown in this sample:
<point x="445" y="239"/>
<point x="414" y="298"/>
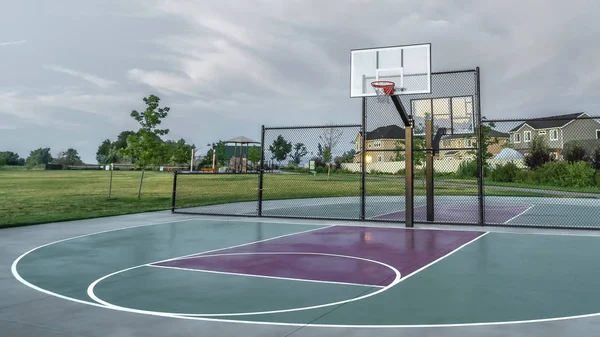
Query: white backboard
<point x="409" y="67"/>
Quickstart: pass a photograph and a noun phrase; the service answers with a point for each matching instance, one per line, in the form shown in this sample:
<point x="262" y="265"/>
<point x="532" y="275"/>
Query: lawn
<point x="37" y="196"/>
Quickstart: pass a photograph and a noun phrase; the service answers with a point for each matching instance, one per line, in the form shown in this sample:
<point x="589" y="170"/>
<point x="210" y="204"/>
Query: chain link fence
<point x="543" y="171"/>
<point x="468" y="170"/>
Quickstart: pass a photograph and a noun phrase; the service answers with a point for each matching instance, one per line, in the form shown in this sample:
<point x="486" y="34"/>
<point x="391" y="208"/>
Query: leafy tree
<point x="418" y="153"/>
<point x="574" y="152"/>
<point x="178" y="152"/>
<point x="219" y="150"/>
<point x="299" y="152"/>
<point x="348" y="156"/>
<point x="39" y="156"/>
<point x="595" y="162"/>
<point x="102" y="152"/>
<point x="11" y="158"/>
<point x="540" y="153"/>
<point x="280" y="148"/>
<point x="145" y="147"/>
<point x="254" y="154"/>
<point x="69" y="157"/>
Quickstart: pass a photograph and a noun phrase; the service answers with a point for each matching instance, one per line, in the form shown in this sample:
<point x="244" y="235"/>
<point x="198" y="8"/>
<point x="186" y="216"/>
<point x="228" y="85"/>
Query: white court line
<point x="283" y="221"/>
<point x="518" y="215"/>
<point x="397" y="278"/>
<point x="263" y="276"/>
<point x="400" y="211"/>
<point x="16" y="274"/>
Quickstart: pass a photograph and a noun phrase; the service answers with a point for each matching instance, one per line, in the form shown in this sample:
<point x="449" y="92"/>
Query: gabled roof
<point x="386" y="132"/>
<point x="557" y="121"/>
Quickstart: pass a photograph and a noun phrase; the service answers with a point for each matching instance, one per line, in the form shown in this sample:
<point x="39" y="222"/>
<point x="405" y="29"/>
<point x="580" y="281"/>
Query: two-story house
<point x="557" y="130"/>
<point x="382" y="144"/>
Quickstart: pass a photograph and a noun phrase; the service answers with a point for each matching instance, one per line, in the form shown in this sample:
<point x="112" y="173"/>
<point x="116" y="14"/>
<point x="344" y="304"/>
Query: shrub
<point x="505" y="173"/>
<point x="553" y="173"/>
<point x="539" y="155"/>
<point x="467" y="169"/>
<point x="580" y="174"/>
<point x="527" y="177"/>
<point x="574" y="152"/>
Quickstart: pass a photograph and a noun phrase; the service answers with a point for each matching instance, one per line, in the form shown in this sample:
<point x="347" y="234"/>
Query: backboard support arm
<point x="409" y="166"/>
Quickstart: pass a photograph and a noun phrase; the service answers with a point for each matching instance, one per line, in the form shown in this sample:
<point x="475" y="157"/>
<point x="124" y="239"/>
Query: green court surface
<point x="489" y="277"/>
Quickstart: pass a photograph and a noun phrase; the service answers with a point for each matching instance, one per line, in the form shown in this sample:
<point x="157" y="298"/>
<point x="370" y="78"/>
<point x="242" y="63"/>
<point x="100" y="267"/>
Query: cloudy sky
<point x="71" y="71"/>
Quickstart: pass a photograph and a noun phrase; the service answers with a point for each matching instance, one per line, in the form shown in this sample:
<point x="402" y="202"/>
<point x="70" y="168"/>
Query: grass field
<point x="36" y="196"/>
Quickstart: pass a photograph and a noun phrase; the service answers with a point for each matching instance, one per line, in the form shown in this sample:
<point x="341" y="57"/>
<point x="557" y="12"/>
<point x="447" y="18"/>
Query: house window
<point x="517" y="137"/>
<point x="378" y="143"/>
<point x="468" y="143"/>
<point x="541" y="133"/>
<point x="379" y="158"/>
<point x="527" y="136"/>
<point x="597" y="134"/>
<point x="554" y="134"/>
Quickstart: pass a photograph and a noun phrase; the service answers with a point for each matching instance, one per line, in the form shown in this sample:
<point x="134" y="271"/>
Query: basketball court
<point x="274" y="277"/>
<point x="165" y="274"/>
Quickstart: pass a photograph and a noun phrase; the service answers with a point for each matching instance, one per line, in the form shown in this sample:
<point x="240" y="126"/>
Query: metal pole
<point x="480" y="146"/>
<point x="174" y="193"/>
<point x="409" y="190"/>
<point x="429" y="168"/>
<point x="363" y="155"/>
<point x="192" y="161"/>
<point x="261" y="170"/>
<point x="110" y="184"/>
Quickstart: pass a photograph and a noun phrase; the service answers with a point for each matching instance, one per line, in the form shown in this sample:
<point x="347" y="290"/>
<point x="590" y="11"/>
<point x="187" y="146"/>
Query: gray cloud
<point x="96" y="80"/>
<point x="9" y="43"/>
<point x="225" y="68"/>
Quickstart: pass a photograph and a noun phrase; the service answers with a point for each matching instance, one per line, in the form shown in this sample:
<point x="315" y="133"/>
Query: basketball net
<point x="383" y="89"/>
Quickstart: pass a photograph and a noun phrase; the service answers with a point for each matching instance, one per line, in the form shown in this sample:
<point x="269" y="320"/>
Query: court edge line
<point x="108" y="305"/>
<point x="518" y="215"/>
<point x="16" y="274"/>
<point x="263" y="276"/>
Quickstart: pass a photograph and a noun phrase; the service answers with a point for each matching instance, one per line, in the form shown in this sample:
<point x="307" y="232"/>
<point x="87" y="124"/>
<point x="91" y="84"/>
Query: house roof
<point x="557" y="121"/>
<point x="386" y="132"/>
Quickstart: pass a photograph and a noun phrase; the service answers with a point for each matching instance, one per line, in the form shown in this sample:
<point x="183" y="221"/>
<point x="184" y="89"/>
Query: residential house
<point x="382" y="144"/>
<point x="558" y="130"/>
<point x="456" y="146"/>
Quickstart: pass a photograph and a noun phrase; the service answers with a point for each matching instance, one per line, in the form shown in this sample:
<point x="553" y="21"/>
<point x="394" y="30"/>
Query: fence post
<point x="174" y="192"/>
<point x="261" y="169"/>
<point x="363" y="154"/>
<point x="481" y="151"/>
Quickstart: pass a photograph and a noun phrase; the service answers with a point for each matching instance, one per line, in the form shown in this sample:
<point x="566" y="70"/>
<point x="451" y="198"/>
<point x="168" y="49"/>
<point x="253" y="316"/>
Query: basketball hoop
<point x="383" y="89"/>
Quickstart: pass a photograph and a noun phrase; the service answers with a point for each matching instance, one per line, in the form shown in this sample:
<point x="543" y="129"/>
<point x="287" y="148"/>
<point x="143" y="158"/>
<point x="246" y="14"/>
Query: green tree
<point x="102" y="152"/>
<point x="280" y="148"/>
<point x="348" y="156"/>
<point x="146" y="147"/>
<point x="10" y="158"/>
<point x="299" y="152"/>
<point x="39" y="156"/>
<point x="69" y="157"/>
<point x="179" y="152"/>
<point x="254" y="154"/>
<point x="220" y="155"/>
<point x="574" y="152"/>
<point x="418" y="150"/>
<point x="540" y="153"/>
